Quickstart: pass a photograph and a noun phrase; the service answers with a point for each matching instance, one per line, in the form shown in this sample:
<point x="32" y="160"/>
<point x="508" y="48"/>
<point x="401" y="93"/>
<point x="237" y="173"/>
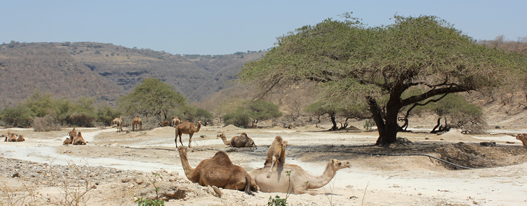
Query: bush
<point x="105" y="114"/>
<point x="238" y="118"/>
<point x="20" y="116"/>
<point x="46" y="123"/>
<point x="81" y="119"/>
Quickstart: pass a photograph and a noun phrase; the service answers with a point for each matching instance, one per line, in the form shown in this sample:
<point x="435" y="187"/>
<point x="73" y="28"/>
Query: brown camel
<point x="20" y="138"/>
<point x="175" y="121"/>
<point x="72" y="133"/>
<point x="298" y="181"/>
<point x="186" y="128"/>
<point x="79" y="140"/>
<point x="276" y="153"/>
<point x="218" y="171"/>
<point x="164" y="123"/>
<point x="137" y="122"/>
<point x="119" y="123"/>
<point x="238" y="141"/>
<point x="523" y="138"/>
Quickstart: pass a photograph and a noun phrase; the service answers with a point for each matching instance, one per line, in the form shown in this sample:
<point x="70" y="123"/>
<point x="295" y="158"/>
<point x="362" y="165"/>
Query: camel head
<point x="222" y="136"/>
<point x="337" y="164"/>
<point x="182" y="151"/>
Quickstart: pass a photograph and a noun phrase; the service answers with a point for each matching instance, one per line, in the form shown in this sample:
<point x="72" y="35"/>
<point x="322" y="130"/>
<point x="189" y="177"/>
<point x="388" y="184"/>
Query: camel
<point x="79" y="140"/>
<point x="164" y="123"/>
<point x="11" y="137"/>
<point x="119" y="123"/>
<point x="72" y="133"/>
<point x="218" y="171"/>
<point x="20" y="138"/>
<point x="137" y="121"/>
<point x="289" y="178"/>
<point x="175" y="121"/>
<point x="523" y="138"/>
<point x="186" y="128"/>
<point x="238" y="141"/>
<point x="276" y="153"/>
<point x="67" y="141"/>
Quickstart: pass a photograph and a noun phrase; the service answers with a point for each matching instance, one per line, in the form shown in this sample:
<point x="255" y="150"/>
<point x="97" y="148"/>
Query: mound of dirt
<point x="231" y="127"/>
<point x="476" y="156"/>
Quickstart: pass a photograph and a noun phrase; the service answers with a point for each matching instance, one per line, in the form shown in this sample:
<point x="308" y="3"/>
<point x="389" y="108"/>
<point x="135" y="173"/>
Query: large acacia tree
<point x="377" y="65"/>
<point x="151" y="97"/>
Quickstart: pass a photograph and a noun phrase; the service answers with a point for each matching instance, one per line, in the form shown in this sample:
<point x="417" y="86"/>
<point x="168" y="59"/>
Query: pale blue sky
<point x="229" y="26"/>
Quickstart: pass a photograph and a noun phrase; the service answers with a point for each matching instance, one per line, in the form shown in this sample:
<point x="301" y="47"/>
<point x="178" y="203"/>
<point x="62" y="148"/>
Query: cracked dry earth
<point x="117" y="168"/>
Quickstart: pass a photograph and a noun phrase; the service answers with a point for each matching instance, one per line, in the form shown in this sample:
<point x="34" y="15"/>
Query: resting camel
<point x="276" y="153"/>
<point x="79" y="140"/>
<point x="11" y="137"/>
<point x="137" y="121"/>
<point x="186" y="128"/>
<point x="523" y="138"/>
<point x="238" y="141"/>
<point x="67" y="141"/>
<point x="218" y="171"/>
<point x="20" y="138"/>
<point x="175" y="121"/>
<point x="299" y="181"/>
<point x="164" y="123"/>
<point x="119" y="123"/>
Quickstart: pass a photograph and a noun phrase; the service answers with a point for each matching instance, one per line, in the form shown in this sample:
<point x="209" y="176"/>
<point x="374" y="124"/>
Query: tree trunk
<point x="387" y="126"/>
<point x="334" y="121"/>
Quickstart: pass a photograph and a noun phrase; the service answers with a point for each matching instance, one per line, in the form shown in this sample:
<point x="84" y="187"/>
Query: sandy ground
<point x="372" y="179"/>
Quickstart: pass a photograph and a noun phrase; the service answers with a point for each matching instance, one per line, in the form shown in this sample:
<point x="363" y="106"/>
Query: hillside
<point x="107" y="71"/>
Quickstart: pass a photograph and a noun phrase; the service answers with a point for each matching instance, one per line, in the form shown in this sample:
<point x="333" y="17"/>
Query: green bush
<point x="20" y="116"/>
<point x="239" y="118"/>
<point x="105" y="114"/>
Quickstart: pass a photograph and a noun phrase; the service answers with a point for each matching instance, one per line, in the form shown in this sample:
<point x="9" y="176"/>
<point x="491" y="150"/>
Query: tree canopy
<point x="151" y="97"/>
<point x="375" y="66"/>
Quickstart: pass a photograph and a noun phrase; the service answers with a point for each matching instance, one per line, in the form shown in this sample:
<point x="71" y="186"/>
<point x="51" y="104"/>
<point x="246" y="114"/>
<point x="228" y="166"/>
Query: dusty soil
<point x="117" y="168"/>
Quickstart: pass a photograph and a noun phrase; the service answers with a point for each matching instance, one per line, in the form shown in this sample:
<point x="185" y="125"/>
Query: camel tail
<point x="248" y="185"/>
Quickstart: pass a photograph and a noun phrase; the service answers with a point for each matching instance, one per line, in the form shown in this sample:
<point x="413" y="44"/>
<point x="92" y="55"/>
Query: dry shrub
<point x="476" y="156"/>
<point x="46" y="124"/>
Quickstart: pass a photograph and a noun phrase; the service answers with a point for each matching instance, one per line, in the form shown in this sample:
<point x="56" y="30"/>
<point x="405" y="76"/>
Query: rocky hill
<point x="107" y="71"/>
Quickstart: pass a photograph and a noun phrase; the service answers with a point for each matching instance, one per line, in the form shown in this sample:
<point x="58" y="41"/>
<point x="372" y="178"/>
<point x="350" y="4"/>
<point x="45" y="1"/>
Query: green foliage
<point x="148" y="202"/>
<point x="460" y="113"/>
<point x="239" y="118"/>
<point x="41" y="104"/>
<point x="105" y="114"/>
<point x="277" y="201"/>
<point x="151" y="97"/>
<point x="252" y="110"/>
<point x="19" y="116"/>
<point x="262" y="110"/>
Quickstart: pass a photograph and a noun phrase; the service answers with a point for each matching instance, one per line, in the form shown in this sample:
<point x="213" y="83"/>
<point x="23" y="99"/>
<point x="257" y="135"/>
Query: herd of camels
<point x="219" y="171"/>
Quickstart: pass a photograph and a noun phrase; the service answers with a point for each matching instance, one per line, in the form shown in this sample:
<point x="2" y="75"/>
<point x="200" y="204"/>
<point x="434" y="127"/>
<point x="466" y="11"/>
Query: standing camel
<point x="186" y="128"/>
<point x="137" y="121"/>
<point x="119" y="124"/>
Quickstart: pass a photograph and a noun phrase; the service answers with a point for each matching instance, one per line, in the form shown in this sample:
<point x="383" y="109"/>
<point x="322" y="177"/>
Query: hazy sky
<point x="226" y="26"/>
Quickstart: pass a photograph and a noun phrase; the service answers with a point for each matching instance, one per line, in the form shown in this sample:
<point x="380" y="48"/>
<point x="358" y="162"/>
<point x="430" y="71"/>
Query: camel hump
<point x="222" y="158"/>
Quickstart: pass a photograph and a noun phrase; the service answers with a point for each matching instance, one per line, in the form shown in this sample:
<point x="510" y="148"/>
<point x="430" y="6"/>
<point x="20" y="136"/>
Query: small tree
<point x="19" y="116"/>
<point x="106" y="114"/>
<point x="260" y="110"/>
<point x="462" y="114"/>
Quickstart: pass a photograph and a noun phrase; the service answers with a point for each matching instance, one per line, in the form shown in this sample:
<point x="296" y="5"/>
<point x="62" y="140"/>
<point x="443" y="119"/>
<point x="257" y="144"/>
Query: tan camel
<point x="72" y="133"/>
<point x="79" y="140"/>
<point x="10" y="138"/>
<point x="218" y="171"/>
<point x="298" y="181"/>
<point x="238" y="141"/>
<point x="523" y="138"/>
<point x="67" y="141"/>
<point x="175" y="121"/>
<point x="186" y="128"/>
<point x="119" y="123"/>
<point x="164" y="123"/>
<point x="137" y="122"/>
<point x="20" y="138"/>
<point x="276" y="153"/>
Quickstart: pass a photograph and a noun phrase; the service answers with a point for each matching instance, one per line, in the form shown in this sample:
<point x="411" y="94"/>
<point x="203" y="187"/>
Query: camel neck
<point x="186" y="166"/>
<point x="320" y="181"/>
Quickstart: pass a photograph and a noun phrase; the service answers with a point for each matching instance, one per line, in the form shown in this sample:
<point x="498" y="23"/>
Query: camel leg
<point x="272" y="164"/>
<point x="189" y="140"/>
